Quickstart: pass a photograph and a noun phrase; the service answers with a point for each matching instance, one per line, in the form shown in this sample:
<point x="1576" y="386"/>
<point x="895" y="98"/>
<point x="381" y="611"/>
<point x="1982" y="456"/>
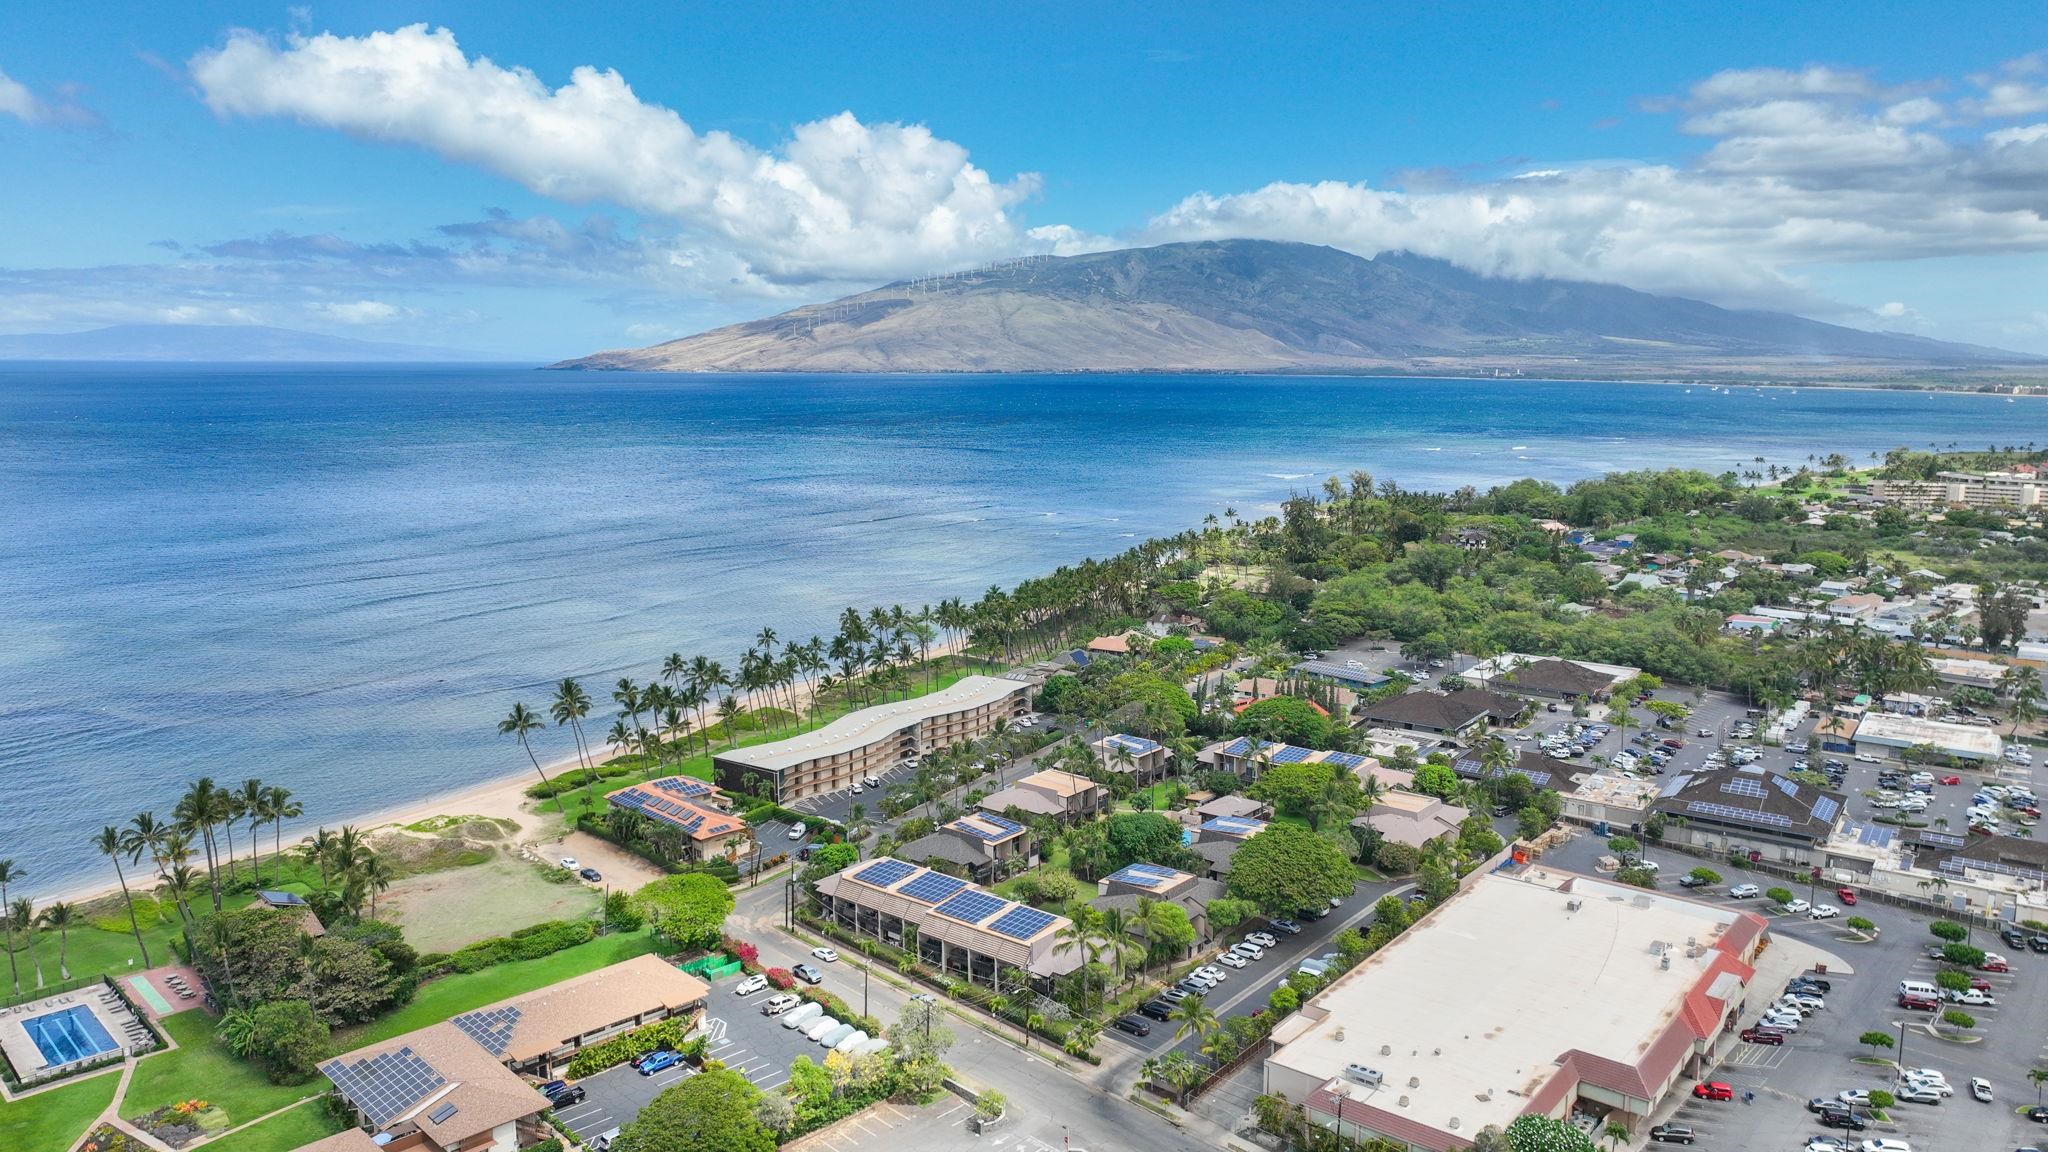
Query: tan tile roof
<point x="485" y="1093"/>
<point x="552" y="1016"/>
<point x="1057" y="782"/>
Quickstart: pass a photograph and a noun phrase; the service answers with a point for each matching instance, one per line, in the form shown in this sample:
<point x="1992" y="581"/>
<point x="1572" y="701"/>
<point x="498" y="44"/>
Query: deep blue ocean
<point x="340" y="579"/>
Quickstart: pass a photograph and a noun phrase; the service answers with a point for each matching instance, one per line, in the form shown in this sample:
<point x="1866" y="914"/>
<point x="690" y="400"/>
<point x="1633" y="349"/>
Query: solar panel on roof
<point x="1676" y="786"/>
<point x="1743" y="788"/>
<point x="1143" y="875"/>
<point x="1825" y="808"/>
<point x="385" y="1085"/>
<point x="1006" y="824"/>
<point x="883" y="873"/>
<point x="1289" y="754"/>
<point x="1739" y="815"/>
<point x="1941" y="839"/>
<point x="972" y="906"/>
<point x="932" y="887"/>
<point x="1788" y="787"/>
<point x="1238" y="824"/>
<point x="1345" y="759"/>
<point x="440" y="1115"/>
<point x="492" y="1028"/>
<point x="1021" y="923"/>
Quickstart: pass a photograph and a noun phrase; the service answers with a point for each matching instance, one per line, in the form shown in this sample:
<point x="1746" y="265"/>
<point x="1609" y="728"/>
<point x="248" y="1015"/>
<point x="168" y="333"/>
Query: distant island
<point x="224" y="343"/>
<point x="1269" y="306"/>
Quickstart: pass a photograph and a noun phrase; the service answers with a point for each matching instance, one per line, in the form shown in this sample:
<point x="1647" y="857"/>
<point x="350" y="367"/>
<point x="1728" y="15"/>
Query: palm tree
<point x="178" y="884"/>
<point x="1191" y="1015"/>
<point x="23" y="916"/>
<point x="60" y="916"/>
<point x="319" y="849"/>
<point x="571" y="705"/>
<point x="1614" y="1135"/>
<point x="8" y="875"/>
<point x="376" y="877"/>
<point x="203" y="806"/>
<point x="250" y="798"/>
<point x="2040" y="1077"/>
<point x="146" y="833"/>
<point x="278" y="807"/>
<point x="1120" y="938"/>
<point x="521" y="723"/>
<point x="112" y="845"/>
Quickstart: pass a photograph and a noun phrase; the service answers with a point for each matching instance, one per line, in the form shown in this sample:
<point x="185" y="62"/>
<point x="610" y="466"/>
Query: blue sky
<point x="543" y="180"/>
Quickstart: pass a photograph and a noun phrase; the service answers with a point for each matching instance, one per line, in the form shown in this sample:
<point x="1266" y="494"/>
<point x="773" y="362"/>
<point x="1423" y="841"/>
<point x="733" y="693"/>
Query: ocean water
<point x="340" y="579"/>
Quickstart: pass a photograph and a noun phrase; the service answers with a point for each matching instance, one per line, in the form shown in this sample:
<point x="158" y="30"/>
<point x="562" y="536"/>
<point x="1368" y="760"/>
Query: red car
<point x="1948" y="780"/>
<point x="1995" y="964"/>
<point x="1980" y="984"/>
<point x="1713" y="1090"/>
<point x="1917" y="1003"/>
<point x="1763" y="1036"/>
<point x="1846" y="896"/>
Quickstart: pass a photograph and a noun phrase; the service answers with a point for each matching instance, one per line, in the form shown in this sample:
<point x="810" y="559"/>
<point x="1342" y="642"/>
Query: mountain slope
<point x="1259" y="305"/>
<point x="220" y="343"/>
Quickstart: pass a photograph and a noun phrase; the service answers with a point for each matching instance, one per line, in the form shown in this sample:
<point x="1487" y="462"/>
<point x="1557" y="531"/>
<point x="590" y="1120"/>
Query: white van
<point x="1919" y="988"/>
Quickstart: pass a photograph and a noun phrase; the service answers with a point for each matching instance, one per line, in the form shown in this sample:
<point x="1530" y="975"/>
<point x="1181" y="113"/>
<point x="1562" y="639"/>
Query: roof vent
<point x="1403" y="1102"/>
<point x="1573" y="904"/>
<point x="1386" y="1049"/>
<point x="1454" y="1124"/>
<point x="1338" y="1035"/>
<point x="1415" y="1081"/>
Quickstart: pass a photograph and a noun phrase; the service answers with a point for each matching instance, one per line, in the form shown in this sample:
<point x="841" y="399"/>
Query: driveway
<point x="621" y="869"/>
<point x="613" y="1097"/>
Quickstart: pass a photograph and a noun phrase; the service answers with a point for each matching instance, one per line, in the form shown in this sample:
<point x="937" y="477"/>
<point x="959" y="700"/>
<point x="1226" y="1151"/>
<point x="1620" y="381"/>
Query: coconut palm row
<point x="202" y="822"/>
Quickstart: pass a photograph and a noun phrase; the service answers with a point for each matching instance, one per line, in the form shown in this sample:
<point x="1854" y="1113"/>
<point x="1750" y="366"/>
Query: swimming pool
<point x="69" y="1035"/>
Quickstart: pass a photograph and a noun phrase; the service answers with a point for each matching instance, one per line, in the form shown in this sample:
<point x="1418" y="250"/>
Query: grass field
<point x="281" y="1133"/>
<point x="442" y="911"/>
<point x="57" y="1118"/>
<point x="454" y="995"/>
<point x="201" y="1069"/>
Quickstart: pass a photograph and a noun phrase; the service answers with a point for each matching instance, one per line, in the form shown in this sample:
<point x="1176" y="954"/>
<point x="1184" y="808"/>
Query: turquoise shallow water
<point x="340" y="579"/>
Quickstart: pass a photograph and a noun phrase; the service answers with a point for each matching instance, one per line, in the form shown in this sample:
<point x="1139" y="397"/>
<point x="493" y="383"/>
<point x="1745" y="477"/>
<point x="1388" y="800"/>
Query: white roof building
<point x="1964" y="741"/>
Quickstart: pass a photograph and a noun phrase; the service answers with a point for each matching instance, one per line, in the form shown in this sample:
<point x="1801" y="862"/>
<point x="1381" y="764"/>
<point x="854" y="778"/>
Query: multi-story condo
<point x="1962" y="489"/>
<point x="872" y="740"/>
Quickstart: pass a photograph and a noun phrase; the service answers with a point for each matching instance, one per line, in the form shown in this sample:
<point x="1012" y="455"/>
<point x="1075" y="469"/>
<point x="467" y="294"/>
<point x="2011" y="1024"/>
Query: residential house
<point x="1458" y="714"/>
<point x="983" y="846"/>
<point x="962" y="930"/>
<point x="1856" y="607"/>
<point x="1233" y="805"/>
<point x="683" y="815"/>
<point x="1050" y="792"/>
<point x="1411" y="818"/>
<point x="1125" y="888"/>
<point x="1141" y="759"/>
<point x="309" y="922"/>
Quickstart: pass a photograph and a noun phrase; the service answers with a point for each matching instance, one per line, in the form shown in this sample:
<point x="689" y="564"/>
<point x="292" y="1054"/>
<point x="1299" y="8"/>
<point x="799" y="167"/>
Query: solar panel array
<point x="1244" y="746"/>
<point x="688" y="787"/>
<point x="972" y="906"/>
<point x="1875" y="835"/>
<point x="1739" y="815"/>
<point x="1942" y="839"/>
<point x="932" y="887"/>
<point x="1289" y="754"/>
<point x="1788" y="787"/>
<point x="1345" y="759"/>
<point x="1959" y="866"/>
<point x="492" y="1028"/>
<point x="1826" y="808"/>
<point x="1137" y="744"/>
<point x="1021" y="923"/>
<point x="976" y="826"/>
<point x="1243" y="825"/>
<point x="883" y="873"/>
<point x="1740" y="787"/>
<point x="440" y="1115"/>
<point x="683" y="816"/>
<point x="385" y="1085"/>
<point x="1143" y="875"/>
<point x="1676" y="786"/>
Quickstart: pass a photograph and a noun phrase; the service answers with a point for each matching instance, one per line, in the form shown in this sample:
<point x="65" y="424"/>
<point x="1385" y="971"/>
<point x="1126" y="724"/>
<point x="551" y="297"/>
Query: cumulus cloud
<point x="1817" y="166"/>
<point x="838" y="199"/>
<point x="18" y="101"/>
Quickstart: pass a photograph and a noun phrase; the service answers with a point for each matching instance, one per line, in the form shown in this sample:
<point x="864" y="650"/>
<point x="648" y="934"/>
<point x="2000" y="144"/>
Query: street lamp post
<point x="1901" y="1070"/>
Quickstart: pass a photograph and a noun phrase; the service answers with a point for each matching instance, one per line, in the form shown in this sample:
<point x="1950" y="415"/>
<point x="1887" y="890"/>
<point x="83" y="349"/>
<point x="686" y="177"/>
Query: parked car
<point x="1980" y="1088"/>
<point x="570" y="863"/>
<point x="1846" y="896"/>
<point x="1691" y="881"/>
<point x="1761" y="1035"/>
<point x="1248" y="950"/>
<point x="659" y="1061"/>
<point x="1951" y="780"/>
<point x="1743" y="891"/>
<point x="778" y="1004"/>
<point x="1995" y="963"/>
<point x="796" y="831"/>
<point x="751" y="985"/>
<point x="1823" y="912"/>
<point x="2038" y="1114"/>
<point x="1785" y="1021"/>
<point x="1886" y="1144"/>
<point x="1262" y="939"/>
<point x="1844" y="1119"/>
<point x="1816" y="983"/>
<point x="1854" y="1097"/>
<point x="1798" y="906"/>
<point x="1918" y="1003"/>
<point x="1160" y="1010"/>
<point x="1974" y="996"/>
<point x="1917" y="1094"/>
<point x="1287" y="926"/>
<point x="564" y="1096"/>
<point x="1671" y="1134"/>
<point x="1232" y="960"/>
<point x="1135" y="1025"/>
<point x="1713" y="1090"/>
<point x="808" y="974"/>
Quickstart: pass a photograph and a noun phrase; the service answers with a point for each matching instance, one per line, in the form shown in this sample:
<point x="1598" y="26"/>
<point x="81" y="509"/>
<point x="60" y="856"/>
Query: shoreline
<point x="501" y="796"/>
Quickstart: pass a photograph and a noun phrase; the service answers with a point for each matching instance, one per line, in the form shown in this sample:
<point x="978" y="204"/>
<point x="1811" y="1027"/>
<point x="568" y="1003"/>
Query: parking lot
<point x="939" y="1126"/>
<point x="755" y="1046"/>
<point x="1820" y="1059"/>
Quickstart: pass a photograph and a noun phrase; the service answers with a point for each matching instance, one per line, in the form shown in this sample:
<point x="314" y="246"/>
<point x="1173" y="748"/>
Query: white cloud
<point x="18" y="101"/>
<point x="1893" y="310"/>
<point x="360" y="311"/>
<point x="838" y="199"/>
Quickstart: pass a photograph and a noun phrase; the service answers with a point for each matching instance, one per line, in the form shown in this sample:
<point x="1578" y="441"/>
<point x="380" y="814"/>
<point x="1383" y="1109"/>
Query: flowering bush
<point x="188" y="1107"/>
<point x="747" y="953"/>
<point x="780" y="979"/>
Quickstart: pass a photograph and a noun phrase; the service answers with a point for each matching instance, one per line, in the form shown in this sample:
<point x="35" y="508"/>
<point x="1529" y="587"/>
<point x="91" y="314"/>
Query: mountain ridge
<point x="222" y="343"/>
<point x="1261" y="305"/>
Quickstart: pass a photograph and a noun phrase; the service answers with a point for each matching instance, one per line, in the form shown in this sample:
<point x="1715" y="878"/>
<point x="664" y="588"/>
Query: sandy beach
<point x="502" y="797"/>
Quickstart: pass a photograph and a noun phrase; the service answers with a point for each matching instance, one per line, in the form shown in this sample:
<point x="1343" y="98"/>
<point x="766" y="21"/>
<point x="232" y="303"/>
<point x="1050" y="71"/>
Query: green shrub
<point x="619" y="1049"/>
<point x="529" y="943"/>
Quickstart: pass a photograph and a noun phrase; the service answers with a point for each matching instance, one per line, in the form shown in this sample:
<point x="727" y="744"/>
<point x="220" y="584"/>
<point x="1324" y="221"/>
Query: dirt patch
<point x="442" y="911"/>
<point x="622" y="870"/>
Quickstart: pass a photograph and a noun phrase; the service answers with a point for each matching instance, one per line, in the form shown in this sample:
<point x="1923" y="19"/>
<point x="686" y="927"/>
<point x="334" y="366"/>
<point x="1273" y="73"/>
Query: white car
<point x="1975" y="996"/>
<point x="1824" y="912"/>
<point x="1854" y="1097"/>
<point x="796" y="831"/>
<point x="826" y="954"/>
<point x="1781" y="1021"/>
<point x="751" y="985"/>
<point x="570" y="863"/>
<point x="1806" y="1001"/>
<point x="1938" y="1087"/>
<point x="1232" y="960"/>
<point x="1213" y="973"/>
<point x="856" y="789"/>
<point x="1743" y="891"/>
<point x="1523" y="736"/>
<point x="1798" y="906"/>
<point x="1867" y="758"/>
<point x="1884" y="1143"/>
<point x="1248" y="951"/>
<point x="1262" y="939"/>
<point x="1934" y="1074"/>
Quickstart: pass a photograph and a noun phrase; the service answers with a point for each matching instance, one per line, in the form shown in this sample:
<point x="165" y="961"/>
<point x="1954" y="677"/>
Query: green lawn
<point x="201" y="1069"/>
<point x="283" y="1133"/>
<point x="454" y="995"/>
<point x="56" y="1118"/>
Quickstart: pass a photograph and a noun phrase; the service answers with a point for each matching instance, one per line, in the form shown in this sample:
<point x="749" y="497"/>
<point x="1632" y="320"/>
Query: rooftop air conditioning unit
<point x="1664" y="961"/>
<point x="1572" y="905"/>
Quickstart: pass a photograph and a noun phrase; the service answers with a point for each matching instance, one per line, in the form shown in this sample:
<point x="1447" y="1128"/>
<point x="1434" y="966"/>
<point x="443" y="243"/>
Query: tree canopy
<point x="689" y="909"/>
<point x="709" y="1112"/>
<point x="1287" y="870"/>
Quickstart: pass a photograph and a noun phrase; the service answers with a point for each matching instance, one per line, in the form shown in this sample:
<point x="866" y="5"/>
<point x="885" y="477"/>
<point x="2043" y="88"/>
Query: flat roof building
<point x="962" y="930"/>
<point x="1963" y="741"/>
<point x="1467" y="1026"/>
<point x="872" y="740"/>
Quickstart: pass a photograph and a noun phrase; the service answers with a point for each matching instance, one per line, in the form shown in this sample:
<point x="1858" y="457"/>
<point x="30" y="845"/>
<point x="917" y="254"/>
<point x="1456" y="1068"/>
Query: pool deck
<point x="21" y="1050"/>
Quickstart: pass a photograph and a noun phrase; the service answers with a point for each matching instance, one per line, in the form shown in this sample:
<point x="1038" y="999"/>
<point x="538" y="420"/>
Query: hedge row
<point x="529" y="943"/>
<point x="619" y="1049"/>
